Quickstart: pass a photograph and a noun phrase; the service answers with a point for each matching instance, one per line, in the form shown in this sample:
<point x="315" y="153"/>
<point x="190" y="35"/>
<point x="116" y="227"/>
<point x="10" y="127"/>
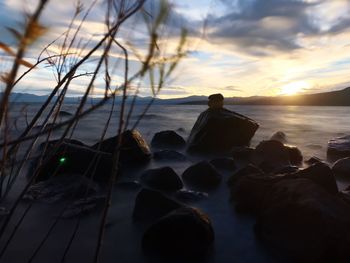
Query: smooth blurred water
<point x="307" y="127"/>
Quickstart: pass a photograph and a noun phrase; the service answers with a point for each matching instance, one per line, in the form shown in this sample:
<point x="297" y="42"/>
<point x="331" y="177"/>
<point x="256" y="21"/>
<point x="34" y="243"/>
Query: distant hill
<point x="332" y="98"/>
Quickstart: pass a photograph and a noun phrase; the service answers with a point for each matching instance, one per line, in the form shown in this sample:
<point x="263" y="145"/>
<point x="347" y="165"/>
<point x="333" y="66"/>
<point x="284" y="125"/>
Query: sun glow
<point x="294" y="88"/>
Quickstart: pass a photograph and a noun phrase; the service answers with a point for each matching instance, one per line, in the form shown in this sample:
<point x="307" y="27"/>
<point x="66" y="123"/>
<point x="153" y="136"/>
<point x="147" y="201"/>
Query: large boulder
<point x="272" y="156"/>
<point x="246" y="170"/>
<point x="68" y="158"/>
<point x="151" y="205"/>
<point x="224" y="163"/>
<point x="133" y="148"/>
<point x="219" y="130"/>
<point x="202" y="176"/>
<point x="168" y="140"/>
<point x="300" y="219"/>
<point x="342" y="168"/>
<point x="322" y="175"/>
<point x="163" y="179"/>
<point x="184" y="234"/>
<point x="338" y="148"/>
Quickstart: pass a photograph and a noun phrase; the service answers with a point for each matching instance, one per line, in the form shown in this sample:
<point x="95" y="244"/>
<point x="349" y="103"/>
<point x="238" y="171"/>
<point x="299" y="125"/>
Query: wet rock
<point x="279" y="136"/>
<point x="247" y="170"/>
<point x="76" y="159"/>
<point x="287" y="170"/>
<point x="338" y="148"/>
<point x="295" y="156"/>
<point x="322" y="175"/>
<point x="342" y="167"/>
<point x="302" y="220"/>
<point x="313" y="160"/>
<point x="224" y="163"/>
<point x="270" y="156"/>
<point x="168" y="140"/>
<point x="188" y="195"/>
<point x="242" y="153"/>
<point x="61" y="188"/>
<point x="184" y="234"/>
<point x="163" y="179"/>
<point x="249" y="191"/>
<point x="134" y="149"/>
<point x="219" y="130"/>
<point x="169" y="155"/>
<point x="202" y="175"/>
<point x="151" y="205"/>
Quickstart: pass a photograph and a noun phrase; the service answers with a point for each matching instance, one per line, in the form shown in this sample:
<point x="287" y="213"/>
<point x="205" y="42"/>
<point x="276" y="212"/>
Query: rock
<point x="202" y="175"/>
<point x="313" y="160"/>
<point x="188" y="195"/>
<point x="163" y="179"/>
<point x="342" y="167"/>
<point x="219" y="130"/>
<point x="168" y="140"/>
<point x="270" y="156"/>
<point x="184" y="234"/>
<point x="134" y="149"/>
<point x="249" y="191"/>
<point x="279" y="136"/>
<point x="169" y="155"/>
<point x="321" y="174"/>
<point x="181" y="130"/>
<point x="295" y="156"/>
<point x="242" y="153"/>
<point x="338" y="148"/>
<point x="151" y="205"/>
<point x="74" y="159"/>
<point x="303" y="221"/>
<point x="247" y="170"/>
<point x="61" y="188"/>
<point x="224" y="163"/>
<point x="287" y="170"/>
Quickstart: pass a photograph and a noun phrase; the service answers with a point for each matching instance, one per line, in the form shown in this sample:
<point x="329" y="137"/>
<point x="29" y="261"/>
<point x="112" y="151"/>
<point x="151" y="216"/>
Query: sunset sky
<point x="236" y="47"/>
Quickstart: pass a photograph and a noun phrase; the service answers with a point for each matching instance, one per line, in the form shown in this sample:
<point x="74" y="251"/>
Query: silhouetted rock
<point x="202" y="175"/>
<point x="133" y="149"/>
<point x="190" y="196"/>
<point x="280" y="137"/>
<point x="184" y="234"/>
<point x="342" y="167"/>
<point x="168" y="140"/>
<point x="321" y="174"/>
<point x="287" y="170"/>
<point x="270" y="156"/>
<point x="219" y="130"/>
<point x="338" y="148"/>
<point x="313" y="160"/>
<point x="169" y="155"/>
<point x="295" y="156"/>
<point x="242" y="152"/>
<point x="224" y="163"/>
<point x="164" y="179"/>
<point x="249" y="191"/>
<point x="247" y="170"/>
<point x="151" y="205"/>
<point x="303" y="221"/>
<point x="75" y="159"/>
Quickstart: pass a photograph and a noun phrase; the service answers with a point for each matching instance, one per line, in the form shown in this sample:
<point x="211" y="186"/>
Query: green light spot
<point x="63" y="160"/>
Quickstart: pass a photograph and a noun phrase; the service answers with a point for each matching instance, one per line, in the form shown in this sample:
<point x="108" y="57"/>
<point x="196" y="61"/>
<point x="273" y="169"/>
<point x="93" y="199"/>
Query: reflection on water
<point x="309" y="128"/>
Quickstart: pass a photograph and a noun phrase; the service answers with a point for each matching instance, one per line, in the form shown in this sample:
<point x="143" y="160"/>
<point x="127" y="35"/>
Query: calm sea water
<point x="307" y="127"/>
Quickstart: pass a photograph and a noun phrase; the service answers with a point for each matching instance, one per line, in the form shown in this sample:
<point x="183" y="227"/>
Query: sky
<point x="234" y="47"/>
